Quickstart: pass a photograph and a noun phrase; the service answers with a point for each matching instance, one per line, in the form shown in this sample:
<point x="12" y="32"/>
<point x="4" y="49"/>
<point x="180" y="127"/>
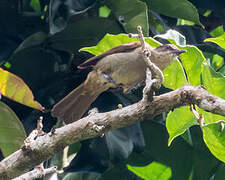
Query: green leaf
<point x="14" y="87"/>
<point x="214" y="82"/>
<point x="178" y="121"/>
<point x="156" y="139"/>
<point x="32" y="41"/>
<point x="175" y="8"/>
<point x="73" y="38"/>
<point x="7" y="65"/>
<point x="12" y="133"/>
<point x="220" y="40"/>
<point x="152" y="171"/>
<point x="174" y="76"/>
<point x="118" y="172"/>
<point x="191" y="60"/>
<point x="35" y="4"/>
<point x="104" y="11"/>
<point x="156" y="24"/>
<point x="203" y="161"/>
<point x="217" y="31"/>
<point x="207" y="13"/>
<point x="217" y="62"/>
<point x="131" y="17"/>
<point x="185" y="22"/>
<point x="110" y="41"/>
<point x="214" y="137"/>
<point x="220" y="173"/>
<point x="210" y="117"/>
<point x="35" y="62"/>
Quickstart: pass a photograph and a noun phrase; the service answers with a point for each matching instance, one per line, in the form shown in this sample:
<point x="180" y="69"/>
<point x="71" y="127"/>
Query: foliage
<point x="40" y="49"/>
<point x="14" y="88"/>
<point x="152" y="171"/>
<point x="12" y="133"/>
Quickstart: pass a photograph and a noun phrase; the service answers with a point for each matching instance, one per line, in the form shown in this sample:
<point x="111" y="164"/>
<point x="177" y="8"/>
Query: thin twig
<point x="151" y="84"/>
<point x="38" y="172"/>
<point x="34" y="134"/>
<point x="198" y="116"/>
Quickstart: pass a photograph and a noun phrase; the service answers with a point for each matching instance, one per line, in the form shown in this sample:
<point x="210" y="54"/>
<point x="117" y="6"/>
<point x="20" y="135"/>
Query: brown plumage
<point x="121" y="66"/>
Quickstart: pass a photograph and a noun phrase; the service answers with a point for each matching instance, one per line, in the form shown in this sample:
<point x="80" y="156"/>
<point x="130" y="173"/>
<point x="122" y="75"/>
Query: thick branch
<point x="94" y="125"/>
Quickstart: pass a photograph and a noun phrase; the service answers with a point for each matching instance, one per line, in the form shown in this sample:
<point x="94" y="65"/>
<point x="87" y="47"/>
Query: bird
<point x="122" y="66"/>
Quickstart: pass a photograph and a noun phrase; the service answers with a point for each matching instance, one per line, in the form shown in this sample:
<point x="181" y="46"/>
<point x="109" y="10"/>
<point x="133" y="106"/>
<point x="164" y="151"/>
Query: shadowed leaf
<point x="130" y="17"/>
<point x="12" y="133"/>
<point x="175" y="8"/>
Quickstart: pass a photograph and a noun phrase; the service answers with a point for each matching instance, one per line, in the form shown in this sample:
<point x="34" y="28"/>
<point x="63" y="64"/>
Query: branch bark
<point x="97" y="124"/>
<point x="36" y="173"/>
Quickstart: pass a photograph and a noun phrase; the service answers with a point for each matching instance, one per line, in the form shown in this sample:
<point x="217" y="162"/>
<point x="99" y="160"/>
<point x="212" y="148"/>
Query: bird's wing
<point x="118" y="49"/>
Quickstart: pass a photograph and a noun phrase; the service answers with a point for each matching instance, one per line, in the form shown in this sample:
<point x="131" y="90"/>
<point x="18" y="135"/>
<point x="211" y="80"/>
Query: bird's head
<point x="169" y="50"/>
<point x="164" y="55"/>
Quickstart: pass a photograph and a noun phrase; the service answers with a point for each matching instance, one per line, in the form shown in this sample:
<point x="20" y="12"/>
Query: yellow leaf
<point x="16" y="89"/>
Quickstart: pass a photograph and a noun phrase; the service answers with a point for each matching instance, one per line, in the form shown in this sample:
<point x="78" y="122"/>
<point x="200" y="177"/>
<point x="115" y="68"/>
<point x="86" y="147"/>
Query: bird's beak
<point x="179" y="51"/>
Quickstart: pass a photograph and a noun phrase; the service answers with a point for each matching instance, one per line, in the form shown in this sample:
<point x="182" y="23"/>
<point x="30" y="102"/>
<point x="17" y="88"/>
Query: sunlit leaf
<point x="178" y="121"/>
<point x="214" y="137"/>
<point x="220" y="40"/>
<point x="109" y="41"/>
<point x="152" y="171"/>
<point x="207" y="13"/>
<point x="214" y="82"/>
<point x="192" y="60"/>
<point x="12" y="133"/>
<point x="218" y="31"/>
<point x="217" y="62"/>
<point x="184" y="22"/>
<point x="174" y="76"/>
<point x="15" y="88"/>
<point x="104" y="11"/>
<point x="210" y="117"/>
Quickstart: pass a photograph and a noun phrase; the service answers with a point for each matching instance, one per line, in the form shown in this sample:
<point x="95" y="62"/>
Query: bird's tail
<point x="75" y="104"/>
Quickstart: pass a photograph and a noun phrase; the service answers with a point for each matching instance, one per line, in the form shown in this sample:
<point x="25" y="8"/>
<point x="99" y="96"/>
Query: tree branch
<point x="37" y="172"/>
<point x="97" y="124"/>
